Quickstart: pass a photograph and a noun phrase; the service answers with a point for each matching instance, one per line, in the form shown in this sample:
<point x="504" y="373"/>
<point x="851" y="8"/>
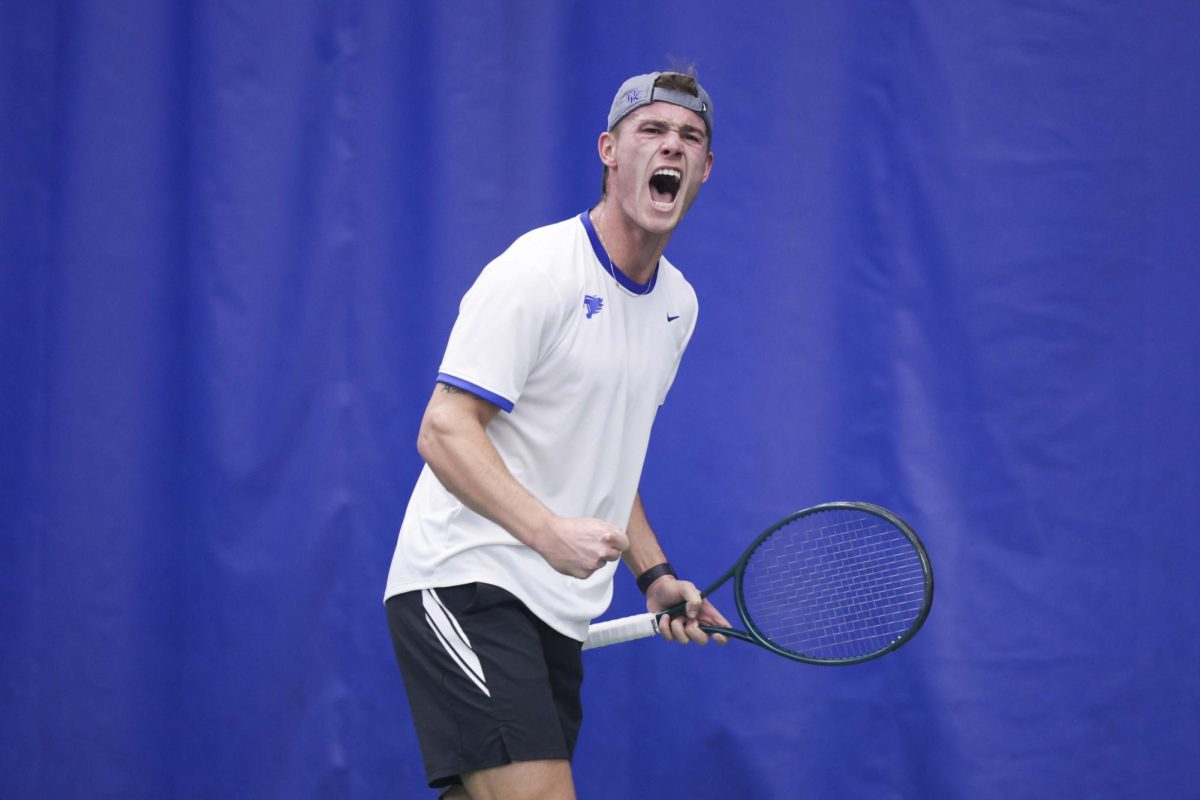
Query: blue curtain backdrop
<point x="947" y="262"/>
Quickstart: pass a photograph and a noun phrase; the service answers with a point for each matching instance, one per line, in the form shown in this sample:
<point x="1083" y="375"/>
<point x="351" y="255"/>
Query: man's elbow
<point x="450" y="424"/>
<point x="439" y="425"/>
<point x="428" y="439"/>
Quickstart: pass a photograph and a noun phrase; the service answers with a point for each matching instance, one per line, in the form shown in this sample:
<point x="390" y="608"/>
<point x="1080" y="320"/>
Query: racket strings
<point x="836" y="585"/>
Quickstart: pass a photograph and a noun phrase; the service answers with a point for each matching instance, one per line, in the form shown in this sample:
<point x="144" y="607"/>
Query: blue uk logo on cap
<point x="592" y="305"/>
<point x="633" y="96"/>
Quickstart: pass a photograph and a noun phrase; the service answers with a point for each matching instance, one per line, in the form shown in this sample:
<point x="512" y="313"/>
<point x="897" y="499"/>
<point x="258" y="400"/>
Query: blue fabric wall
<point x="947" y="262"/>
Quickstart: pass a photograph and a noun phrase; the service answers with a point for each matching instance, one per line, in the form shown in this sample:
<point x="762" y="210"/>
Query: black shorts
<point x="488" y="683"/>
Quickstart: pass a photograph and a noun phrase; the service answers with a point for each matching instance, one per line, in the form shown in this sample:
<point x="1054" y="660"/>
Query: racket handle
<point x="625" y="629"/>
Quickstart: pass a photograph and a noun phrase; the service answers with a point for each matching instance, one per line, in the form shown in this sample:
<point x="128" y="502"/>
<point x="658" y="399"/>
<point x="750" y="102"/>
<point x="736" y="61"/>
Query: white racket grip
<point x="625" y="629"/>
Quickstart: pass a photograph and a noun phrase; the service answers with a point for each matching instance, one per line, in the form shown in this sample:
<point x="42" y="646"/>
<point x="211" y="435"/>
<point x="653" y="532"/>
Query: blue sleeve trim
<point x="478" y="391"/>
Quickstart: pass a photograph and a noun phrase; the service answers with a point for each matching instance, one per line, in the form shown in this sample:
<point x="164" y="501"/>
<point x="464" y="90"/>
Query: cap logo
<point x="633" y="97"/>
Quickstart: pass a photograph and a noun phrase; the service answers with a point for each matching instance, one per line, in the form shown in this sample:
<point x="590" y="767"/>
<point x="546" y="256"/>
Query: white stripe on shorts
<point x="453" y="638"/>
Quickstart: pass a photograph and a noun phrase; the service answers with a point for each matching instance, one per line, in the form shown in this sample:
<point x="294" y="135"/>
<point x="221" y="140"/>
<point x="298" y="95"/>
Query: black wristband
<point x="654" y="573"/>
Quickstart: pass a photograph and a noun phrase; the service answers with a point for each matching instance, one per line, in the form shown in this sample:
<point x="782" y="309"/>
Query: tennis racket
<point x="838" y="583"/>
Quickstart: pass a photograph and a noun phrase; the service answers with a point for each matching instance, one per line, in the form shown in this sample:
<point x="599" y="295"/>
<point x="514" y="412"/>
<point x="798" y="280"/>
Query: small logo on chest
<point x="592" y="305"/>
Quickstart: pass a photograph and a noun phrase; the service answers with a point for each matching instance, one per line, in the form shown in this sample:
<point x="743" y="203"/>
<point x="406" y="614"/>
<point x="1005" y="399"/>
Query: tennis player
<point x="534" y="440"/>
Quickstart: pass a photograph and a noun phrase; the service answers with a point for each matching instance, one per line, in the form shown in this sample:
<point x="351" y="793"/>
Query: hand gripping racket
<point x="838" y="583"/>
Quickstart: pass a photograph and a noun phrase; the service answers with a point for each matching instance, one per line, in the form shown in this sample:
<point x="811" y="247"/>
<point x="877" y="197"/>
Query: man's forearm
<point x="644" y="551"/>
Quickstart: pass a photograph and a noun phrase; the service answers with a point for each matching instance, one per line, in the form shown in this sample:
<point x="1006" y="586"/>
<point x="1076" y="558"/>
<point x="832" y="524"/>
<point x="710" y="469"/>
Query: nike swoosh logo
<point x="672" y="319"/>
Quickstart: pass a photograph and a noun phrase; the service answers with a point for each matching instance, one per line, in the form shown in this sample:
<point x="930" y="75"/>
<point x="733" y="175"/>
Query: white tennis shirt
<point x="580" y="357"/>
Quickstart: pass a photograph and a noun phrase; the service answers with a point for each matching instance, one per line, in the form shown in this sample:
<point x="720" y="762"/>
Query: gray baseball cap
<point x="640" y="90"/>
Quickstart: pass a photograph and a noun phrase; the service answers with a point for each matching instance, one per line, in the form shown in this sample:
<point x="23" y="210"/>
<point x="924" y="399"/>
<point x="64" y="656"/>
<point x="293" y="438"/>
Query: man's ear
<point x="708" y="161"/>
<point x="607" y="148"/>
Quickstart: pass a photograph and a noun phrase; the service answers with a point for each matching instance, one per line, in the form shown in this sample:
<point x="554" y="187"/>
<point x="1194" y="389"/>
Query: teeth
<point x="672" y="185"/>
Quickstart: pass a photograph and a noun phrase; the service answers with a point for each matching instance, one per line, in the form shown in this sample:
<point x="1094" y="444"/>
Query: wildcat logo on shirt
<point x="592" y="305"/>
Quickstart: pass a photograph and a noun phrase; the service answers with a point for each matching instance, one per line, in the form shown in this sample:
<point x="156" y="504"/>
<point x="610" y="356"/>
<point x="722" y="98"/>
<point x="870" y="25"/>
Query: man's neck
<point x="632" y="248"/>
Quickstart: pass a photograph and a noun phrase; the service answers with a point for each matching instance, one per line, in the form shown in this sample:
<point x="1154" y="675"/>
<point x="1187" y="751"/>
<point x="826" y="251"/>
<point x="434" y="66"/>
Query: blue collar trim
<point x="612" y="269"/>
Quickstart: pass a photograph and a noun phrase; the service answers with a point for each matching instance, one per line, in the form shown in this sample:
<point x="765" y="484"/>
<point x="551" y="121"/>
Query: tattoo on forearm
<point x="448" y="389"/>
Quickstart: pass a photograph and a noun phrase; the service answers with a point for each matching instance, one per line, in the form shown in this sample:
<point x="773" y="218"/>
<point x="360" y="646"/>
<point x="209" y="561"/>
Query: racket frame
<point x="752" y="634"/>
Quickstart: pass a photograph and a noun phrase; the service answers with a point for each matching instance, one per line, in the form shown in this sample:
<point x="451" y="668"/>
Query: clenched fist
<point x="578" y="546"/>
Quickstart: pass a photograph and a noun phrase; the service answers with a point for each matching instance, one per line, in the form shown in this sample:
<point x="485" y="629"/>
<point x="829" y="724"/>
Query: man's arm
<point x="645" y="552"/>
<point x="454" y="443"/>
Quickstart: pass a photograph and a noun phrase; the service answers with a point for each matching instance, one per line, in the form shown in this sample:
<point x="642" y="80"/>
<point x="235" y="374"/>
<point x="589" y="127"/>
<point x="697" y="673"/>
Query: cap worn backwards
<point x="640" y="90"/>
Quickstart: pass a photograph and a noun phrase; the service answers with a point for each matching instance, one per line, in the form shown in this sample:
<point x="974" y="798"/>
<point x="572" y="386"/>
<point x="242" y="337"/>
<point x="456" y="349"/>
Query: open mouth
<point x="664" y="185"/>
